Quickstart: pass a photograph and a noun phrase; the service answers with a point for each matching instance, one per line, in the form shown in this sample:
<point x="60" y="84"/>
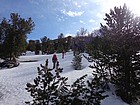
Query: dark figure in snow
<point x="57" y="65"/>
<point x="63" y="53"/>
<point x="46" y="65"/>
<point x="54" y="60"/>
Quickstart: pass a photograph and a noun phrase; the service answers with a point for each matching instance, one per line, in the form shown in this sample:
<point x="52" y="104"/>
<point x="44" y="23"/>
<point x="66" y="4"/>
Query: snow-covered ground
<point x="13" y="81"/>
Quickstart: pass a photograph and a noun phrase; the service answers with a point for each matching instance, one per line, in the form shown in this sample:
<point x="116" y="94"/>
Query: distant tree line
<point x="81" y="43"/>
<point x="48" y="46"/>
<point x="13" y="39"/>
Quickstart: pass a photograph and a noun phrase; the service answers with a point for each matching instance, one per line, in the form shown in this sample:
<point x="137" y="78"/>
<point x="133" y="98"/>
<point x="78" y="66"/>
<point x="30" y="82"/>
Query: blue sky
<point x="53" y="17"/>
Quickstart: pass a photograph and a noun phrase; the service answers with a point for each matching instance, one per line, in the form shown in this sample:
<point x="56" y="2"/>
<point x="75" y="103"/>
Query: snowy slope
<point x="13" y="81"/>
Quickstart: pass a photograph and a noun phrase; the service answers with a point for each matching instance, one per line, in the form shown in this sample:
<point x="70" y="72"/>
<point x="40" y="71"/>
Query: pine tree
<point x="44" y="46"/>
<point x="14" y="33"/>
<point x="95" y="91"/>
<point x="102" y="72"/>
<point x="31" y="45"/>
<point x="77" y="61"/>
<point x="45" y="88"/>
<point x="135" y="74"/>
<point x="122" y="30"/>
<point x="61" y="43"/>
<point x="50" y="88"/>
<point x="37" y="47"/>
<point x="83" y="92"/>
<point x="51" y="47"/>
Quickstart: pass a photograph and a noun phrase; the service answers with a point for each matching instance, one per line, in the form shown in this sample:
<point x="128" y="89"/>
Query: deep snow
<point x="13" y="81"/>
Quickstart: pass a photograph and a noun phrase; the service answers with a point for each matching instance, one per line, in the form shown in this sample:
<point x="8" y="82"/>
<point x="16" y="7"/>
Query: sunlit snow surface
<point x="13" y="81"/>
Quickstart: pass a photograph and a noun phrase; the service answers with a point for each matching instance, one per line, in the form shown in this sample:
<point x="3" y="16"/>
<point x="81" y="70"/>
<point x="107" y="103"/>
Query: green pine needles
<point x="50" y="88"/>
<point x="76" y="62"/>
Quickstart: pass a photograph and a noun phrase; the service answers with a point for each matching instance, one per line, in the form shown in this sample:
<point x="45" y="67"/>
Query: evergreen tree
<point x="83" y="92"/>
<point x="68" y="43"/>
<point x="3" y="34"/>
<point x="122" y="31"/>
<point x="94" y="93"/>
<point x="37" y="47"/>
<point x="76" y="62"/>
<point x="51" y="46"/>
<point x="14" y="33"/>
<point x="44" y="46"/>
<point x="102" y="70"/>
<point x="94" y="47"/>
<point x="60" y="43"/>
<point x="50" y="88"/>
<point x="31" y="45"/>
<point x="61" y="36"/>
<point x="45" y="88"/>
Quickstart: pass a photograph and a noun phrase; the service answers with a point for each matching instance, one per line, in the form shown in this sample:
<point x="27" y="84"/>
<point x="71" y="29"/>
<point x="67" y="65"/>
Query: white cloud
<point x="85" y="3"/>
<point x="100" y="16"/>
<point x="61" y="18"/>
<point x="76" y="4"/>
<point x="80" y="3"/>
<point x="106" y="5"/>
<point x="95" y="28"/>
<point x="72" y="13"/>
<point x="68" y="34"/>
<point x="91" y="21"/>
<point x="82" y="22"/>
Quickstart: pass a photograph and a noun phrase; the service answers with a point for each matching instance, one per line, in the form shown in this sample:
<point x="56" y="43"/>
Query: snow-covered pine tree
<point x="95" y="91"/>
<point x="44" y="90"/>
<point x="83" y="92"/>
<point x="76" y="62"/>
<point x="103" y="73"/>
<point x="50" y="88"/>
<point x="74" y="94"/>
